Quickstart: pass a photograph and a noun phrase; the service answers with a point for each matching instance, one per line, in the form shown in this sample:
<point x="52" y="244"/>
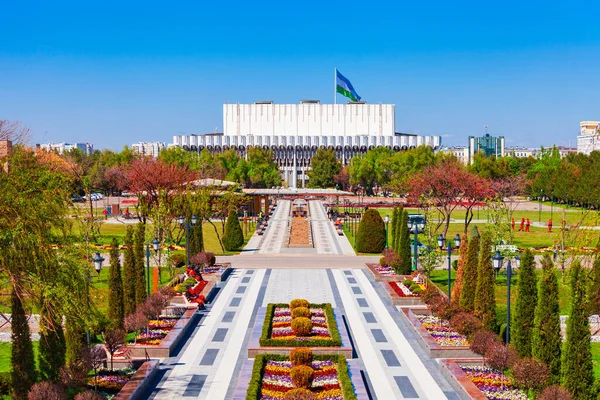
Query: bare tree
<point x="14" y="131"/>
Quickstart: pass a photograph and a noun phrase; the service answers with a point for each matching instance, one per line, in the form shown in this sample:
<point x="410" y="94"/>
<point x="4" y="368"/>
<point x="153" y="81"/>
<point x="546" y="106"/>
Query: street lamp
<point x="540" y="210"/>
<point x="386" y="219"/>
<point x="416" y="225"/>
<point x="497" y="262"/>
<point x="441" y="241"/>
<point x="182" y="221"/>
<point x="98" y="259"/>
<point x="155" y="246"/>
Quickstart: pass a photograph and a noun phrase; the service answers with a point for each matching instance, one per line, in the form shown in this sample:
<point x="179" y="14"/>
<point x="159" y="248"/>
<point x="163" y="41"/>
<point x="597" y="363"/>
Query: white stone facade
<point x="148" y="148"/>
<point x="589" y="137"/>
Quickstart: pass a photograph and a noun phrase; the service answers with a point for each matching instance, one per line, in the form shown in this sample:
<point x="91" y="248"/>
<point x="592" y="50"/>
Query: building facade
<point x="148" y="148"/>
<point x="589" y="137"/>
<point x="295" y="131"/>
<point x="489" y="145"/>
<point x="60" y="148"/>
<point x="460" y="152"/>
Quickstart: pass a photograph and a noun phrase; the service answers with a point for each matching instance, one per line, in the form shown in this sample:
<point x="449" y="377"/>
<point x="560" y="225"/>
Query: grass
<point x="596" y="359"/>
<point x="5" y="355"/>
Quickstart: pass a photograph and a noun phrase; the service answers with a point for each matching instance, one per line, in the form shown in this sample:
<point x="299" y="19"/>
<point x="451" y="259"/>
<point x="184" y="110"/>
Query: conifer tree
<point x="76" y="340"/>
<point x="545" y="337"/>
<point x="140" y="273"/>
<point x="404" y="254"/>
<point x="115" y="288"/>
<point x="22" y="359"/>
<point x="129" y="274"/>
<point x="577" y="365"/>
<point x="196" y="238"/>
<point x="485" y="298"/>
<point x="52" y="350"/>
<point x="233" y="238"/>
<point x="469" y="283"/>
<point x="522" y="324"/>
<point x="594" y="286"/>
<point x="460" y="271"/>
<point x="393" y="228"/>
<point x="397" y="228"/>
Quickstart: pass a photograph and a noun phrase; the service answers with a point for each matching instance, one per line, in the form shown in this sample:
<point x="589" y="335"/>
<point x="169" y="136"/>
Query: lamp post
<point x="416" y="225"/>
<point x="540" y="210"/>
<point x="498" y="260"/>
<point x="182" y="220"/>
<point x="386" y="219"/>
<point x="97" y="259"/>
<point x="441" y="240"/>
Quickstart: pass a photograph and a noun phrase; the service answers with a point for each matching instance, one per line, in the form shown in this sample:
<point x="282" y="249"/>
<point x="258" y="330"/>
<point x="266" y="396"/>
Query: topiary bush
<point x="499" y="356"/>
<point x="302" y="376"/>
<point x="408" y="282"/>
<point x="417" y="290"/>
<point x="300" y="394"/>
<point x="301" y="356"/>
<point x="299" y="303"/>
<point x="302" y="326"/>
<point x="482" y="340"/>
<point x="465" y="323"/>
<point x="530" y="374"/>
<point x="382" y="262"/>
<point x="178" y="260"/>
<point x="371" y="233"/>
<point x="300" y="312"/>
<point x="233" y="238"/>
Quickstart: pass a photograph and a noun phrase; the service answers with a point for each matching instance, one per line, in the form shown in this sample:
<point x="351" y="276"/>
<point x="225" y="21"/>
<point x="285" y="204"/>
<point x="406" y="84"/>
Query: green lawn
<point x="5" y="356"/>
<point x="596" y="359"/>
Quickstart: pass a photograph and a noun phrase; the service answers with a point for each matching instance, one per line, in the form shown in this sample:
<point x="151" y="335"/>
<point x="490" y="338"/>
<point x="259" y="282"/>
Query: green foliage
<point x="76" y="340"/>
<point x="23" y="364"/>
<point x="577" y="366"/>
<point x="302" y="326"/>
<point x="234" y="237"/>
<point x="594" y="286"/>
<point x="404" y="245"/>
<point x="52" y="350"/>
<point x="395" y="218"/>
<point x="258" y="170"/>
<point x="129" y="274"/>
<point x="196" y="239"/>
<point x="324" y="166"/>
<point x="115" y="287"/>
<point x="5" y="383"/>
<point x="300" y="312"/>
<point x="140" y="269"/>
<point x="522" y="324"/>
<point x="371" y="233"/>
<point x="469" y="285"/>
<point x="545" y="338"/>
<point x="485" y="301"/>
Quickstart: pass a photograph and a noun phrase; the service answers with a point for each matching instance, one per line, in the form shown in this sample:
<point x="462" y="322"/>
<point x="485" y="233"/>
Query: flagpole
<point x="334" y="85"/>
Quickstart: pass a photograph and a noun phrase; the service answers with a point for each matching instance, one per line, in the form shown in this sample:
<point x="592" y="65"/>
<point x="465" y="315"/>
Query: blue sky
<point x="114" y="73"/>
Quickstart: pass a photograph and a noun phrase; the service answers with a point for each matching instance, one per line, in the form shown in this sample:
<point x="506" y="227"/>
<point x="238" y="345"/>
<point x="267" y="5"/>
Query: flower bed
<point x="271" y="378"/>
<point x="110" y="382"/>
<point x="385" y="270"/>
<point x="402" y="291"/>
<point x="493" y="384"/>
<point x="441" y="331"/>
<point x="158" y="328"/>
<point x="277" y="331"/>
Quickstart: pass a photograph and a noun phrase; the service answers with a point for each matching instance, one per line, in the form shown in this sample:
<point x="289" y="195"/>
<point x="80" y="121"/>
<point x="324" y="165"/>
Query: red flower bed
<point x="402" y="291"/>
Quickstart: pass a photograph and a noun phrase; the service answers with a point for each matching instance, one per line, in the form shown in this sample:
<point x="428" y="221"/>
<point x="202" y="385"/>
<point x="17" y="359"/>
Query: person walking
<point x="550" y="225"/>
<point x="527" y="225"/>
<point x="522" y="225"/>
<point x="512" y="224"/>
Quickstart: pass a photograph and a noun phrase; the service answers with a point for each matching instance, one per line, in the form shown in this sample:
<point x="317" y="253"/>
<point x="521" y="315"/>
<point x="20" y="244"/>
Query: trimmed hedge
<point x="266" y="341"/>
<point x="260" y="361"/>
<point x="371" y="233"/>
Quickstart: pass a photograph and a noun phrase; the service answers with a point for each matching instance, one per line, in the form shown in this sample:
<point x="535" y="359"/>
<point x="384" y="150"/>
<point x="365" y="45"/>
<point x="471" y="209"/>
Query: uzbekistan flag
<point x="345" y="88"/>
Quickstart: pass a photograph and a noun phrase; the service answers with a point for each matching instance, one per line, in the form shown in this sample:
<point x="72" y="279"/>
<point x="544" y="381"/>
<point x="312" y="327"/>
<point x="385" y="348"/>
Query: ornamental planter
<point x="217" y="273"/>
<point x="135" y="388"/>
<point x="397" y="300"/>
<point x="381" y="277"/>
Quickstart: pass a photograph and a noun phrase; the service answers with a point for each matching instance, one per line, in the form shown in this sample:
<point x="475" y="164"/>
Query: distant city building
<point x="524" y="152"/>
<point x="60" y="148"/>
<point x="487" y="144"/>
<point x="295" y="131"/>
<point x="460" y="152"/>
<point x="589" y="137"/>
<point x="148" y="148"/>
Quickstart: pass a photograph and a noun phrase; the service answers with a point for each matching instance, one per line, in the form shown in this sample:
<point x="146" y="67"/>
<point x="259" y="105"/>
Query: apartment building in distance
<point x="60" y="148"/>
<point x="148" y="148"/>
<point x="589" y="137"/>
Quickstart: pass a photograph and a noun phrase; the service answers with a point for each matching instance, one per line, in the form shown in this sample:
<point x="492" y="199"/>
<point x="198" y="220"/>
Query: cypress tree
<point x="115" y="287"/>
<point x="22" y="359"/>
<point x="578" y="369"/>
<point x="129" y="275"/>
<point x="52" y="350"/>
<point x="404" y="254"/>
<point x="594" y="287"/>
<point x="393" y="228"/>
<point x="138" y="254"/>
<point x="233" y="238"/>
<point x="545" y="338"/>
<point x="485" y="298"/>
<point x="76" y="339"/>
<point x="397" y="228"/>
<point x="469" y="283"/>
<point x="460" y="271"/>
<point x="371" y="233"/>
<point x="196" y="238"/>
<point x="522" y="324"/>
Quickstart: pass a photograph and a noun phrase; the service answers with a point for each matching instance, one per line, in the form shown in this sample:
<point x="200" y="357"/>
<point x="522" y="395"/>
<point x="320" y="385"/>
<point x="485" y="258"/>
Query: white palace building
<point x="295" y="131"/>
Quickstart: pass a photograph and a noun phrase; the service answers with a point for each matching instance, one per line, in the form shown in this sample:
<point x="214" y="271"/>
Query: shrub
<point x="408" y="282"/>
<point x="529" y="373"/>
<point x="465" y="323"/>
<point x="388" y="255"/>
<point x="89" y="396"/>
<point x="233" y="238"/>
<point x="499" y="356"/>
<point x="300" y="394"/>
<point x="300" y="312"/>
<point x="301" y="356"/>
<point x="302" y="376"/>
<point x="430" y="293"/>
<point x="203" y="259"/>
<point x="178" y="260"/>
<point x="413" y="286"/>
<point x="446" y="310"/>
<point x="135" y="321"/>
<point x="382" y="262"/>
<point x="555" y="392"/>
<point x="5" y="383"/>
<point x="417" y="290"/>
<point x="46" y="391"/>
<point x="299" y="303"/>
<point x="302" y="326"/>
<point x="371" y="233"/>
<point x="482" y="340"/>
<point x="455" y="265"/>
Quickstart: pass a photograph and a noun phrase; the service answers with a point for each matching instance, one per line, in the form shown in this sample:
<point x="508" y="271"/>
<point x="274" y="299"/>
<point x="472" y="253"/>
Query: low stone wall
<point x="459" y="381"/>
<point x="219" y="276"/>
<point x="136" y="387"/>
<point x="382" y="278"/>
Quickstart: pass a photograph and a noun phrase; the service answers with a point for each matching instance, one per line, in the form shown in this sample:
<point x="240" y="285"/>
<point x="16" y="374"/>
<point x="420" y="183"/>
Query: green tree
<point x="578" y="368"/>
<point x="522" y="324"/>
<point x="469" y="286"/>
<point x="129" y="274"/>
<point x="196" y="238"/>
<point x="52" y="350"/>
<point x="404" y="245"/>
<point x="234" y="237"/>
<point x="115" y="287"/>
<point x="138" y="254"/>
<point x="594" y="286"/>
<point x="395" y="218"/>
<point x="371" y="233"/>
<point x="324" y="165"/>
<point x="545" y="338"/>
<point x="485" y="298"/>
<point x="460" y="271"/>
<point x="22" y="360"/>
<point x="75" y="340"/>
